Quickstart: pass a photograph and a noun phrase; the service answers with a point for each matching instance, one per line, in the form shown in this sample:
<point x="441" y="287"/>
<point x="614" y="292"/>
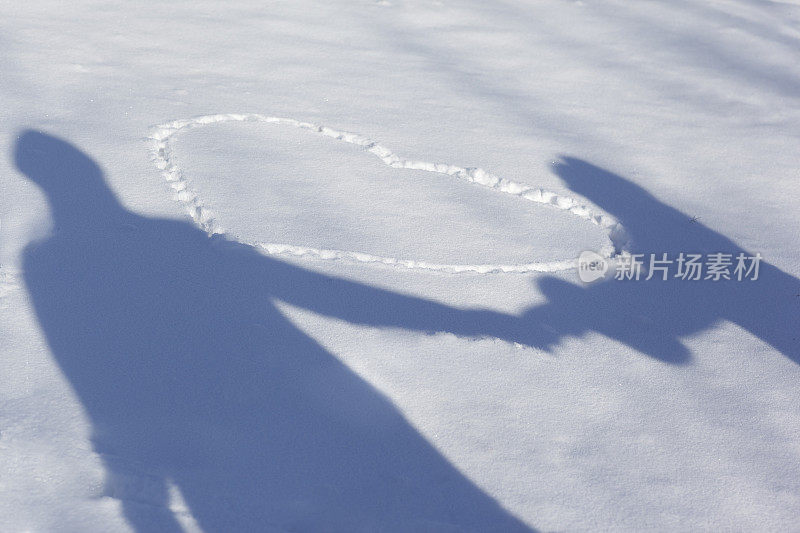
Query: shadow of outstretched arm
<point x="363" y="304"/>
<point x="652" y="317"/>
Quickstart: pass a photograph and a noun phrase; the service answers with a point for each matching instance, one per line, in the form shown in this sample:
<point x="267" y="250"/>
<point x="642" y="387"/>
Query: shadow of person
<point x="653" y="316"/>
<point x="192" y="378"/>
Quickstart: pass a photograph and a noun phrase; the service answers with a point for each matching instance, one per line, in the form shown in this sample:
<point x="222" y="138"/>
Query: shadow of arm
<point x="358" y="303"/>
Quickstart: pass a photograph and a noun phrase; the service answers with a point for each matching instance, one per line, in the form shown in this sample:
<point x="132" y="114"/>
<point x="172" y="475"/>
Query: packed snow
<point x="312" y="266"/>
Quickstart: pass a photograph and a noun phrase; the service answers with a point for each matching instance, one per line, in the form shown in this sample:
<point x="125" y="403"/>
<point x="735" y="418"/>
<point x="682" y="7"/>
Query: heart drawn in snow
<point x="323" y="200"/>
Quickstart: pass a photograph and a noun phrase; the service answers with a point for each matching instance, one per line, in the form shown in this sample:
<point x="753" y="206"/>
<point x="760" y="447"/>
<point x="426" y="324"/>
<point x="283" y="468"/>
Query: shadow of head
<point x="648" y="221"/>
<point x="72" y="182"/>
<point x="52" y="163"/>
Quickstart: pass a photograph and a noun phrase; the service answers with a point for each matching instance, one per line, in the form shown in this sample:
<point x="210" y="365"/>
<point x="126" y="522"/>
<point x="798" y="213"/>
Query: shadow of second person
<point x="657" y="316"/>
<point x="191" y="376"/>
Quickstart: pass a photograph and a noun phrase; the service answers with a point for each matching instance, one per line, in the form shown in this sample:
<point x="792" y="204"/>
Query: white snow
<point x="387" y="334"/>
<point x="338" y="197"/>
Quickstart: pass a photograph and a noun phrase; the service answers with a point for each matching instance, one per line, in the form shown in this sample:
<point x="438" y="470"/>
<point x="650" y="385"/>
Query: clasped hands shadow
<point x="191" y="376"/>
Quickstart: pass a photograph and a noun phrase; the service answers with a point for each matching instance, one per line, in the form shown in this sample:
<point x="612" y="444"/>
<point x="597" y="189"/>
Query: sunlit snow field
<point x="260" y="325"/>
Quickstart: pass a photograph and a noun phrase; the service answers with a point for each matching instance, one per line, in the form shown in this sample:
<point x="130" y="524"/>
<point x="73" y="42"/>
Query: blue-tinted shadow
<point x="191" y="376"/>
<point x="654" y="316"/>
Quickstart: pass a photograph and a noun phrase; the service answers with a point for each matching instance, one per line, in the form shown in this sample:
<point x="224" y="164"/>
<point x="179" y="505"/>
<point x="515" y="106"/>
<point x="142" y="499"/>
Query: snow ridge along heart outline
<point x="203" y="216"/>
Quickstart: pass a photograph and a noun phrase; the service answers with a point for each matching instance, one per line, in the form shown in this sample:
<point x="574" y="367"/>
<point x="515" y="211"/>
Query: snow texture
<point x="384" y="330"/>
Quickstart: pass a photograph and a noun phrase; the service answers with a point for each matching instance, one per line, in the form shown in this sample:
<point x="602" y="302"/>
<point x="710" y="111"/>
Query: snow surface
<point x="375" y="343"/>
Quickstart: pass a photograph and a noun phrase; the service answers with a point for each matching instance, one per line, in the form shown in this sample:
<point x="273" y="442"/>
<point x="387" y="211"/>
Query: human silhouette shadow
<point x="653" y="316"/>
<point x="192" y="377"/>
